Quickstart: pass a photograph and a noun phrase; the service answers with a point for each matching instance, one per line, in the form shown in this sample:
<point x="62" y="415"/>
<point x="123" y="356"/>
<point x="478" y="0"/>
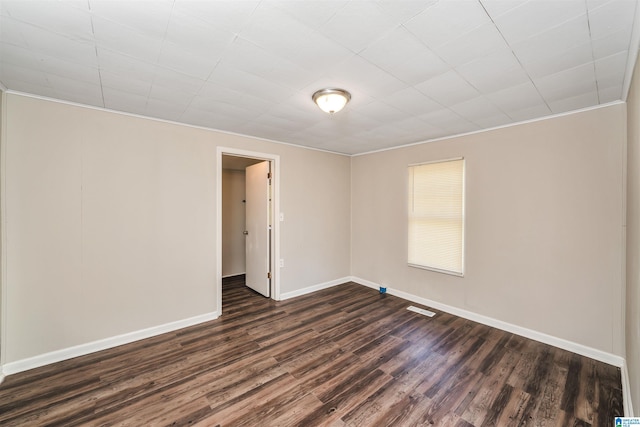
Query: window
<point x="436" y="216"/>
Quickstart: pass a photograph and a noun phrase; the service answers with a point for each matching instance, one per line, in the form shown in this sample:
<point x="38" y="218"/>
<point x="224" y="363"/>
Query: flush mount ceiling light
<point x="331" y="100"/>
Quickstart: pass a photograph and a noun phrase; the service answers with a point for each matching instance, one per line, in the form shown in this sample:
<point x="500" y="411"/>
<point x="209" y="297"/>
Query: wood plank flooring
<point x="345" y="356"/>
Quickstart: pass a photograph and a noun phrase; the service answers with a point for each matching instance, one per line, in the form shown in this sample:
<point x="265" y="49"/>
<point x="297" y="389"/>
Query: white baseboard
<point x="103" y="344"/>
<point x="626" y="391"/>
<point x="314" y="288"/>
<point x="583" y="350"/>
<point x="233" y="275"/>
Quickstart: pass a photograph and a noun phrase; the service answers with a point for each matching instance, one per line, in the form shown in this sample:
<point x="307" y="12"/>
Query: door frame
<point x="275" y="218"/>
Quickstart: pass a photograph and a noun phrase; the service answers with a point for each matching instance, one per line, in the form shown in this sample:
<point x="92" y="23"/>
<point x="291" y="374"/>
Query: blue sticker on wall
<point x="627" y="421"/>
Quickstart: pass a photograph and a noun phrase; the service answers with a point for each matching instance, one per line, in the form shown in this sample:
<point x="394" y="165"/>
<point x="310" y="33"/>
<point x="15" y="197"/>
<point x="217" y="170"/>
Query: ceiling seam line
<point x="593" y="58"/>
<point x="95" y="48"/>
<point x="517" y="59"/>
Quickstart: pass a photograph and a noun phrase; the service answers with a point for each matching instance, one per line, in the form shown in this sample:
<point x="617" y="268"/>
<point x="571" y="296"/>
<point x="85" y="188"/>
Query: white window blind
<point x="436" y="216"/>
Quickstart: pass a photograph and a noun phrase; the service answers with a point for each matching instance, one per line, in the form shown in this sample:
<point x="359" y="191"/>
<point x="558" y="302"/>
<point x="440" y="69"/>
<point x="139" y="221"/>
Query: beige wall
<point x="633" y="241"/>
<point x="544" y="210"/>
<point x="111" y="222"/>
<point x="233" y="222"/>
<point x="2" y="296"/>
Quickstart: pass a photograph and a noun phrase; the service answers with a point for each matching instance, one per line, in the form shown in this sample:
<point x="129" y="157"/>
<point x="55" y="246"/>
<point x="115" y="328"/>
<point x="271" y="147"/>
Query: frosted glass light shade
<point x="331" y="100"/>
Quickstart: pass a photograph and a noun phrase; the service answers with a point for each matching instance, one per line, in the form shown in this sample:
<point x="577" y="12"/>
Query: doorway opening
<point x="247" y="236"/>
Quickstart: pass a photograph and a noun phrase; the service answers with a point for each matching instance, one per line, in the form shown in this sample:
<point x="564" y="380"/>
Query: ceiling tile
<point x="311" y="13"/>
<point x="324" y="55"/>
<point x="76" y="91"/>
<point x="125" y="84"/>
<point x="220" y="93"/>
<point x="231" y="15"/>
<point x="177" y="80"/>
<point x="380" y="112"/>
<point x="118" y="100"/>
<point x="283" y="125"/>
<point x="476" y="108"/>
<point x="11" y="31"/>
<point x="56" y="17"/>
<point x="496" y="8"/>
<point x="244" y="82"/>
<point x="400" y="52"/>
<point x="611" y="16"/>
<point x="551" y="64"/>
<point x="216" y="107"/>
<point x="412" y="101"/>
<point x="276" y="31"/>
<point x="402" y="11"/>
<point x="52" y="44"/>
<point x="610" y="94"/>
<point x="303" y="117"/>
<point x="447" y="20"/>
<point x="553" y="42"/>
<point x="358" y="73"/>
<point x="516" y="98"/>
<point x="11" y="73"/>
<point x="568" y="83"/>
<point x="122" y="39"/>
<point x="348" y="28"/>
<point x="250" y="58"/>
<point x="51" y="64"/>
<point x="241" y="112"/>
<point x="395" y="47"/>
<point x="29" y="87"/>
<point x="529" y="113"/>
<point x="163" y="109"/>
<point x="119" y="63"/>
<point x="145" y="17"/>
<point x="537" y="16"/>
<point x="574" y="102"/>
<point x="612" y="43"/>
<point x="448" y="121"/>
<point x="70" y="70"/>
<point x="494" y="72"/>
<point x="448" y="89"/>
<point x="592" y="4"/>
<point x="355" y="121"/>
<point x="500" y="119"/>
<point x="175" y="58"/>
<point x="196" y="36"/>
<point x="475" y="44"/>
<point x="83" y="5"/>
<point x="414" y="125"/>
<point x="21" y="56"/>
<point x="160" y="93"/>
<point x="610" y="70"/>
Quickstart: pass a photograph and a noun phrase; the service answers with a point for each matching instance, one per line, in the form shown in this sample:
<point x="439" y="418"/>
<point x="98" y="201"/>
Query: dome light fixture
<point x="331" y="100"/>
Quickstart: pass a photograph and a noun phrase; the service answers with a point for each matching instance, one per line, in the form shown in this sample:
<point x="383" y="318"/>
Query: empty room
<point x="319" y="213"/>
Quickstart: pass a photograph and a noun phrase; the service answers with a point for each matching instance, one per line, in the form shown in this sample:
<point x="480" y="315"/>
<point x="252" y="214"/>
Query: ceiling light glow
<point x="331" y="100"/>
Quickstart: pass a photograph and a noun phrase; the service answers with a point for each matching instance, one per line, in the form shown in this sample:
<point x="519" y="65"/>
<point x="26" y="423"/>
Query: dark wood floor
<point x="343" y="356"/>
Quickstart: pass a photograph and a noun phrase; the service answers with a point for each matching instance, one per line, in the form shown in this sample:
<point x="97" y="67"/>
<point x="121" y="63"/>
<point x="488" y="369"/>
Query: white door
<point x="257" y="232"/>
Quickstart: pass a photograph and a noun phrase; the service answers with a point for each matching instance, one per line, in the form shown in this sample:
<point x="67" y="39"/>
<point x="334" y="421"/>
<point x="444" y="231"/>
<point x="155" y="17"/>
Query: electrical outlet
<point x="281" y="262"/>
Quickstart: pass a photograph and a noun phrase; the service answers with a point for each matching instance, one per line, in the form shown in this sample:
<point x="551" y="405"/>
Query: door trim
<point x="275" y="226"/>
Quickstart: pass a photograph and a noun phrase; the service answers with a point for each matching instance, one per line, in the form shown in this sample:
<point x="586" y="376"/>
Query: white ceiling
<point x="417" y="70"/>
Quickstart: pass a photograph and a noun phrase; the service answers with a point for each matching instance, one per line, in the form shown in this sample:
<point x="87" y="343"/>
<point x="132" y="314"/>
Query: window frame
<point x="410" y="197"/>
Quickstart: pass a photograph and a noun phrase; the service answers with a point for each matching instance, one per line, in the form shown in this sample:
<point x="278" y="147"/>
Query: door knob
<point x="245" y="232"/>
